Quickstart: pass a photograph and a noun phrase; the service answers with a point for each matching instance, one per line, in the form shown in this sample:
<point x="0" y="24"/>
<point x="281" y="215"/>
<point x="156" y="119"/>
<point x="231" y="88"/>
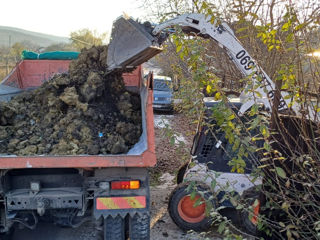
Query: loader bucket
<point x="131" y="44"/>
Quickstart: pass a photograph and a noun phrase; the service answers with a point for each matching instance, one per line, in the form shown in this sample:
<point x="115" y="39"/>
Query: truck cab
<point x="162" y="93"/>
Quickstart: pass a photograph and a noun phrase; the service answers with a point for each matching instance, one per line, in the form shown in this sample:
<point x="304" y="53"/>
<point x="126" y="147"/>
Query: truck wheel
<point x="114" y="228"/>
<point x="250" y="219"/>
<point x="183" y="212"/>
<point x="139" y="227"/>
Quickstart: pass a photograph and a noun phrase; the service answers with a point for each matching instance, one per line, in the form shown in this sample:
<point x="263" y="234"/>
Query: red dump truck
<point x="112" y="190"/>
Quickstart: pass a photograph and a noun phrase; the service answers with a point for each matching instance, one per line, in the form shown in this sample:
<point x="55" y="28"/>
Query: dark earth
<point x="87" y="111"/>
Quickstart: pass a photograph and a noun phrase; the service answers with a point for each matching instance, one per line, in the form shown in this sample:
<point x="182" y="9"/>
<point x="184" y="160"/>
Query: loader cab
<point x="210" y="146"/>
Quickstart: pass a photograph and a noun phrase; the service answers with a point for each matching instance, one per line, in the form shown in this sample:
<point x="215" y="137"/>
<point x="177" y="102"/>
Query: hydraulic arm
<point x="225" y="37"/>
<point x="199" y="24"/>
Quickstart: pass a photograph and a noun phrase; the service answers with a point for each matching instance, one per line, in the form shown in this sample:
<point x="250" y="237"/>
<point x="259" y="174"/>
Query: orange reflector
<point x="134" y="184"/>
<point x="125" y="185"/>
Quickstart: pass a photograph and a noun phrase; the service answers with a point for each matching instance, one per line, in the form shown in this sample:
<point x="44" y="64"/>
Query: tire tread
<point x="114" y="228"/>
<point x="139" y="227"/>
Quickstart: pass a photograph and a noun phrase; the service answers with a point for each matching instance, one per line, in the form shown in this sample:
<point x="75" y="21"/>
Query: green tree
<point x="279" y="35"/>
<point x="85" y="38"/>
<point x="60" y="47"/>
<point x="16" y="50"/>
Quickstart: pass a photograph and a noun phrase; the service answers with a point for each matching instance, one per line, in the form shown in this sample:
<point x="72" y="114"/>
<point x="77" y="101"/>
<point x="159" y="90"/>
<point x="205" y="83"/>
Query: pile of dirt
<point x="87" y="111"/>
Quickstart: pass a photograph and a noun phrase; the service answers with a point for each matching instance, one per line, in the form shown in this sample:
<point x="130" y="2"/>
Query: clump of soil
<point x="87" y="111"/>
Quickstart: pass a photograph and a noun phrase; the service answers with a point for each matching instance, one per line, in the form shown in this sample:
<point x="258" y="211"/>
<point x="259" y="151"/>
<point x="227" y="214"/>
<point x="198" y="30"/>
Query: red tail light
<point x="125" y="185"/>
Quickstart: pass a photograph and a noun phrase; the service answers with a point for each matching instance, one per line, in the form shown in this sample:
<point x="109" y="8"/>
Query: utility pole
<point x="7" y="59"/>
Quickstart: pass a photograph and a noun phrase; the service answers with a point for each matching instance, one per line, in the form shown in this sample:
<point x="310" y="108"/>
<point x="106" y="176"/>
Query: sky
<point x="60" y="17"/>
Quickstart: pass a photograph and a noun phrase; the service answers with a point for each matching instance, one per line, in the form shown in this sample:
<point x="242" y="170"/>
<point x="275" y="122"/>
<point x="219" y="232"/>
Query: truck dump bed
<point x="30" y="74"/>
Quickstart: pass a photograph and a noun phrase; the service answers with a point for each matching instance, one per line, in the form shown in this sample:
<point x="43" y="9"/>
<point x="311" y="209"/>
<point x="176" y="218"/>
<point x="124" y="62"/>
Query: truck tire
<point x="250" y="225"/>
<point x="182" y="211"/>
<point x="114" y="228"/>
<point x="139" y="227"/>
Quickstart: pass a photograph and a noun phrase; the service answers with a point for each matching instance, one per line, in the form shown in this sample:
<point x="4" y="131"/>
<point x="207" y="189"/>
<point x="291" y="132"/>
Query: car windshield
<point x="161" y="85"/>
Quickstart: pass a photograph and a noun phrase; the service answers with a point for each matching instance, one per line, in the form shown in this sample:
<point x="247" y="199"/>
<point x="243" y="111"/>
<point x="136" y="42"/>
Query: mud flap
<point x="131" y="44"/>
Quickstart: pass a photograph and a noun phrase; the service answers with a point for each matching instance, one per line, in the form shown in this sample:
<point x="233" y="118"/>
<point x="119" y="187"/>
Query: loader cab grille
<point x="211" y="148"/>
<point x="207" y="146"/>
<point x="206" y="151"/>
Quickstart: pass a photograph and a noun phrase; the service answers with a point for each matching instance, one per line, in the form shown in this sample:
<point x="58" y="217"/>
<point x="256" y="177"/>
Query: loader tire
<point x="7" y="235"/>
<point x="249" y="220"/>
<point x="114" y="228"/>
<point x="139" y="227"/>
<point x="184" y="214"/>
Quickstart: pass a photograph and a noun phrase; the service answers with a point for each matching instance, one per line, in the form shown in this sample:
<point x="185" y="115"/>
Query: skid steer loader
<point x="133" y="43"/>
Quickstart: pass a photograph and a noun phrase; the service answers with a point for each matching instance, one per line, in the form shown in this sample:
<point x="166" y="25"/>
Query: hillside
<point x="20" y="35"/>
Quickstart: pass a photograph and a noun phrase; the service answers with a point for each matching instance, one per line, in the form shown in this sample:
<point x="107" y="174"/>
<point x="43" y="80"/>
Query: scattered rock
<point x="165" y="234"/>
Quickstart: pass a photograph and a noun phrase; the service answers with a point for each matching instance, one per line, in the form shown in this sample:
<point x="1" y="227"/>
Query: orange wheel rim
<point x="256" y="210"/>
<point x="188" y="212"/>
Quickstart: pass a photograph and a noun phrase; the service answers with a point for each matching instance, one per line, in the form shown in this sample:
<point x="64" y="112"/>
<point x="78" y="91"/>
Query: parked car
<point x="162" y="93"/>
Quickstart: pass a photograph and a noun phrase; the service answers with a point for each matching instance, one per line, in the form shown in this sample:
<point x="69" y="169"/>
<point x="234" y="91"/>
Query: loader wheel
<point x="181" y="172"/>
<point x="249" y="219"/>
<point x="114" y="228"/>
<point x="139" y="227"/>
<point x="7" y="235"/>
<point x="183" y="212"/>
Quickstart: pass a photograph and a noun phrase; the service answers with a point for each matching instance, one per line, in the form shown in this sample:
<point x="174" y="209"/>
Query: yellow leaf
<point x="208" y="89"/>
<point x="264" y="131"/>
<point x="285" y="206"/>
<point x="217" y="96"/>
<point x="285" y="27"/>
<point x="270" y="47"/>
<point x="179" y="47"/>
<point x="292" y="77"/>
<point x="263" y="166"/>
<point x="288" y="184"/>
<point x="240" y="170"/>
